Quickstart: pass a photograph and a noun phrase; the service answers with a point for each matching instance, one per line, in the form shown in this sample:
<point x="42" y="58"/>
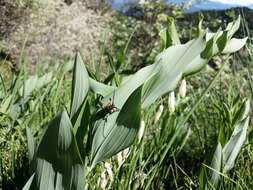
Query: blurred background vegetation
<point x="38" y="37"/>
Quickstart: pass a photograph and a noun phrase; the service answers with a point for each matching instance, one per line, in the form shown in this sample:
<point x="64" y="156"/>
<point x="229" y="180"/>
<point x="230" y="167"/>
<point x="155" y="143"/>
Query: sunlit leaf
<point x="185" y="60"/>
<point x="216" y="166"/>
<point x="234" y="145"/>
<point x="234" y="45"/>
<point x="80" y="86"/>
<point x="30" y="144"/>
<point x="58" y="163"/>
<point x="169" y="36"/>
<point x="118" y="131"/>
<point x="100" y="88"/>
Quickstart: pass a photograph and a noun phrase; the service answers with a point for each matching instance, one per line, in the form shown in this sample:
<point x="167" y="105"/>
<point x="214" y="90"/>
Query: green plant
<point x="24" y="101"/>
<point x="232" y="136"/>
<point x="87" y="135"/>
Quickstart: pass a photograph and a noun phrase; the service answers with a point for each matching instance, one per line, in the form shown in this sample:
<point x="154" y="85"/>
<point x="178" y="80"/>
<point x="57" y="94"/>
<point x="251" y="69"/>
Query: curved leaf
<point x="119" y="131"/>
<point x="234" y="45"/>
<point x="169" y="36"/>
<point x="30" y="144"/>
<point x="174" y="62"/>
<point x="58" y="162"/>
<point x="234" y="145"/>
<point x="80" y="85"/>
<point x="222" y="42"/>
<point x="100" y="88"/>
<point x="216" y="166"/>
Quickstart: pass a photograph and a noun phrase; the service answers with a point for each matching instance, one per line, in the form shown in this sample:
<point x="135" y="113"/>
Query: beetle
<point x="108" y="109"/>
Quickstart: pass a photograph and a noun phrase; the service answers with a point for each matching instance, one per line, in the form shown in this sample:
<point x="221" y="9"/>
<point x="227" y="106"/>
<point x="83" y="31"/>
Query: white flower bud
<point x="141" y="131"/>
<point x="172" y="102"/>
<point x="119" y="158"/>
<point x="103" y="181"/>
<point x="108" y="168"/>
<point x="158" y="113"/>
<point x="182" y="89"/>
<point x="125" y="153"/>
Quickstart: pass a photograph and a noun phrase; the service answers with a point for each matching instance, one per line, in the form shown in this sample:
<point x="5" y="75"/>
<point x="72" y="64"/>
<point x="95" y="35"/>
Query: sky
<point x="220" y="4"/>
<point x="234" y="2"/>
<point x="215" y="4"/>
<point x="201" y="4"/>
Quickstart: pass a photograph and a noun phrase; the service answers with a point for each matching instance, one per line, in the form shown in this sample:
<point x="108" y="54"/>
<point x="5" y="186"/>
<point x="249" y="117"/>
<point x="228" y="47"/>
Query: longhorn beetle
<point x="108" y="109"/>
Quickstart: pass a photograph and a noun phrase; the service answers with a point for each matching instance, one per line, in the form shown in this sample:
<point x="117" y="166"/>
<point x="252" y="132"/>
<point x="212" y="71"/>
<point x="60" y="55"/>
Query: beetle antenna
<point x="113" y="96"/>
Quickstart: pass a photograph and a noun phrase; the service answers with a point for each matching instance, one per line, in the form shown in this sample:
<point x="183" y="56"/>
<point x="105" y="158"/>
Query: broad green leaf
<point x="58" y="163"/>
<point x="118" y="131"/>
<point x="234" y="45"/>
<point x="234" y="145"/>
<point x="173" y="32"/>
<point x="119" y="96"/>
<point x="185" y="60"/>
<point x="222" y="42"/>
<point x="31" y="145"/>
<point x="216" y="166"/>
<point x="80" y="86"/>
<point x="211" y="48"/>
<point x="230" y="30"/>
<point x="100" y="88"/>
<point x="224" y="159"/>
<point x="81" y="127"/>
<point x="169" y="36"/>
<point x="83" y="117"/>
<point x="122" y="93"/>
<point x="238" y="137"/>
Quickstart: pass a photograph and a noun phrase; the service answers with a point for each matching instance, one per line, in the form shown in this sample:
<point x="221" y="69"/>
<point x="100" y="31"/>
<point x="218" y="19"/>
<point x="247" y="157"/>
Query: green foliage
<point x="102" y="132"/>
<point x="103" y="117"/>
<point x="25" y="102"/>
<point x="227" y="152"/>
<point x="60" y="166"/>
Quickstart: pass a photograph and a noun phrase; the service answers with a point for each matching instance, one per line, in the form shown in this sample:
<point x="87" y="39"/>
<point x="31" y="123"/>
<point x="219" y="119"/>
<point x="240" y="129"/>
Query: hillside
<point x="53" y="29"/>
